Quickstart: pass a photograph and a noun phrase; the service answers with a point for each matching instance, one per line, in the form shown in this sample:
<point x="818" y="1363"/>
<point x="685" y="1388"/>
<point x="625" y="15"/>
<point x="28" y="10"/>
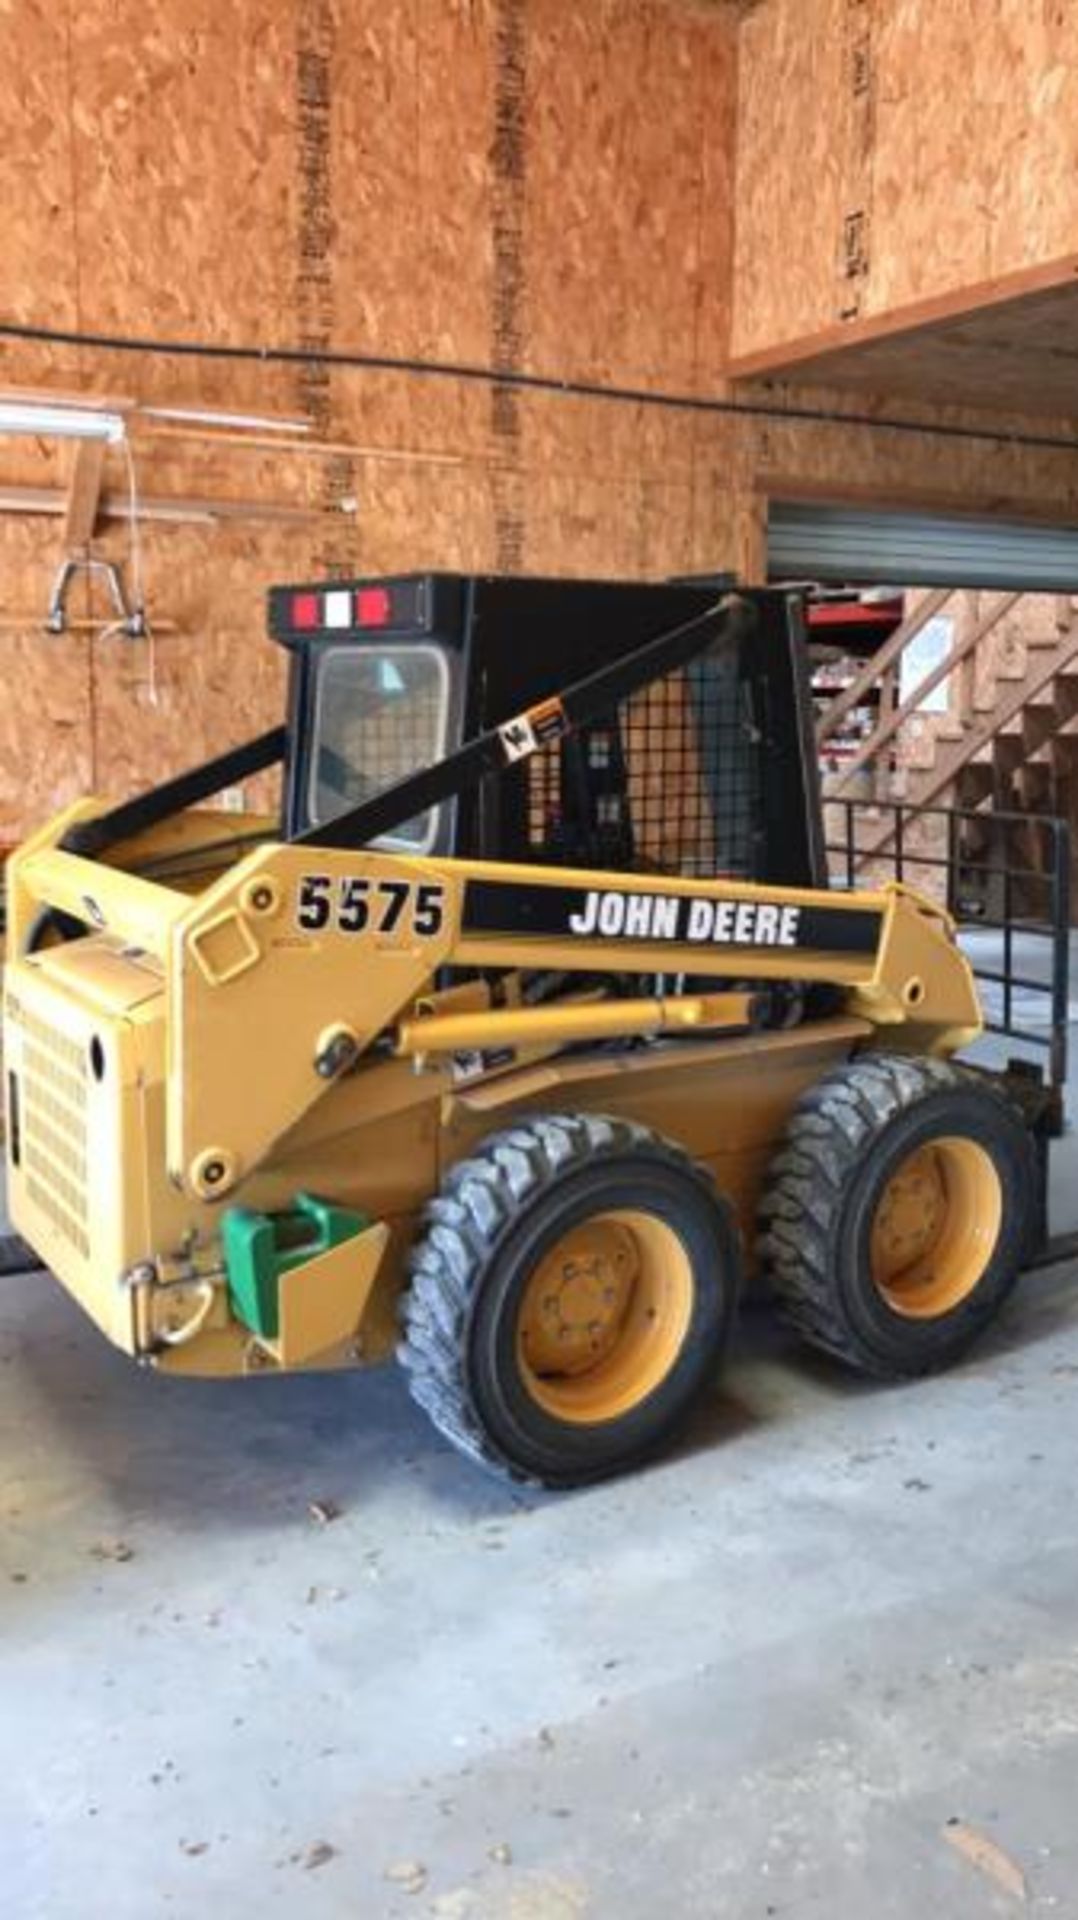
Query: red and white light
<point x="374" y="607"/>
<point x="338" y="608"/>
<point x="306" y="612"/>
<point x="341" y="609"/>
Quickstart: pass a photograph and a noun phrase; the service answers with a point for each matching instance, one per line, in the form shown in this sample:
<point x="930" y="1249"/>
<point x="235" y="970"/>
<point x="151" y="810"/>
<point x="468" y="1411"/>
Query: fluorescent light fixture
<point x="67" y="423"/>
<point x="211" y="417"/>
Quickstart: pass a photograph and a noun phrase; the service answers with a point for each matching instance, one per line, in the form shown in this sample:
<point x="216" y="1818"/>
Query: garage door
<point x="811" y="541"/>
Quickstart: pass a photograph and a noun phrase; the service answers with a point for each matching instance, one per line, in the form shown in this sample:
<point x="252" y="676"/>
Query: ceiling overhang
<point x="1010" y="345"/>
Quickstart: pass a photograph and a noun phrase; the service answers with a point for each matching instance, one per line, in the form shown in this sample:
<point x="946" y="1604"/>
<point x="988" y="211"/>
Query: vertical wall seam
<point x="84" y="587"/>
<point x="694" y="423"/>
<point x="315" y="287"/>
<point x="859" y="89"/>
<point x="73" y="168"/>
<point x="508" y="173"/>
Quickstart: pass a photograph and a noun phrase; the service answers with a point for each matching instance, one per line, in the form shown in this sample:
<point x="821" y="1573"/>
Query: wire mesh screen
<point x="668" y="782"/>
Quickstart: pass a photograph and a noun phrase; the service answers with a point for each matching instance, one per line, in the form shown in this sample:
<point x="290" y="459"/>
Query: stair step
<point x="1061" y="690"/>
<point x="1017" y="737"/>
<point x="1039" y="724"/>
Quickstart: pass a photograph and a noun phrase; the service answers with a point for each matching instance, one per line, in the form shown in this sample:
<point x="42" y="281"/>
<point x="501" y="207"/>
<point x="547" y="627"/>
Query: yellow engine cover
<point x="84" y="1057"/>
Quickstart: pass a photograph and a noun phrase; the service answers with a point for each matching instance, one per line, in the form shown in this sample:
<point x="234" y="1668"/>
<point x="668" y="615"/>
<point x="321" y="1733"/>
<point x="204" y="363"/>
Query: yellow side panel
<point x="725" y="1103"/>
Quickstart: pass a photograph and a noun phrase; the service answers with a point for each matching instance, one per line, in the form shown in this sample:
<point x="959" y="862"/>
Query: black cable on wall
<point x="533" y="382"/>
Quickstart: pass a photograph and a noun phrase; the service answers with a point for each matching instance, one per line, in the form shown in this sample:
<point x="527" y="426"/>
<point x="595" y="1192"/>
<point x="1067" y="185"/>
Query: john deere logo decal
<point x="658" y="916"/>
<point x="625" y="914"/>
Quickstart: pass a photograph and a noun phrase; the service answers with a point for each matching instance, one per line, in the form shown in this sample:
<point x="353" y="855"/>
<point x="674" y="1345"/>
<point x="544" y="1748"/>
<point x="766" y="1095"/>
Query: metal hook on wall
<point x="130" y="620"/>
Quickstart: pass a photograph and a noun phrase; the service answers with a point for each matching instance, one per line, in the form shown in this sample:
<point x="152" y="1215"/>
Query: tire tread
<point x="801" y="1208"/>
<point x="461" y="1228"/>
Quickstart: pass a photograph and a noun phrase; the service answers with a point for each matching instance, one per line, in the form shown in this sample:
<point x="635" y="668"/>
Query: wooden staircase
<point x="1009" y="738"/>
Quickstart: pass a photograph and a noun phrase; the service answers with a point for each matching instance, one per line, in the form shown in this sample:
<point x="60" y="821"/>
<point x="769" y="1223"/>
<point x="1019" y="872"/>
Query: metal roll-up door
<point x="811" y="541"/>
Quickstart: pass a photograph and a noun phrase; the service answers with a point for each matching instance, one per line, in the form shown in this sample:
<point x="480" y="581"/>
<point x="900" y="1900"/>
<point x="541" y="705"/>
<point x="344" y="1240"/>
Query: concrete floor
<point x="757" y="1680"/>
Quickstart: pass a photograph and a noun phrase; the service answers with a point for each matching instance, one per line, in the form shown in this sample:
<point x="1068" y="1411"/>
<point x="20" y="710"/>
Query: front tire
<point x="897" y="1214"/>
<point x="571" y="1297"/>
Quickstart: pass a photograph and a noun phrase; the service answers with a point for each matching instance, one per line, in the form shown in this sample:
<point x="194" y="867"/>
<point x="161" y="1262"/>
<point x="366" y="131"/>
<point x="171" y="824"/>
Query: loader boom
<point x="330" y="951"/>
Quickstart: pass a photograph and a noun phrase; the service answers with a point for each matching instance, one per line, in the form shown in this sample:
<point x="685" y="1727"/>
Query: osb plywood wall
<point x="513" y="183"/>
<point x="892" y="151"/>
<point x="505" y="182"/>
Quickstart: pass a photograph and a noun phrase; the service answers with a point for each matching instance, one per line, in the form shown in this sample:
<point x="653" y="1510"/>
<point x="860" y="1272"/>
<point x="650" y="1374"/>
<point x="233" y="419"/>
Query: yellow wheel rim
<point x="936" y="1227"/>
<point x="604" y="1316"/>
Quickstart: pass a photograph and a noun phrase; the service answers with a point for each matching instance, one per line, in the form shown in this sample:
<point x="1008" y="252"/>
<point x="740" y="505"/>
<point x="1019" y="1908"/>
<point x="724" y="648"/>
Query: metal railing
<point x="1000" y="874"/>
<point x="879" y="677"/>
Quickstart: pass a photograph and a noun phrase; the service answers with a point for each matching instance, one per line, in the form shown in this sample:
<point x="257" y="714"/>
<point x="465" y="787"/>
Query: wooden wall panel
<point x="157" y="709"/>
<point x="454" y="84"/>
<point x="976" y="148"/>
<point x="46" y="757"/>
<point x="35" y="175"/>
<point x="716" y="63"/>
<point x="789" y="187"/>
<point x="893" y="151"/>
<point x="183" y="167"/>
<point x="610" y="528"/>
<point x="35" y="184"/>
<point x="615" y="186"/>
<point x="597" y="437"/>
<point x="498" y="182"/>
<point x="378" y="242"/>
<point x="877" y="466"/>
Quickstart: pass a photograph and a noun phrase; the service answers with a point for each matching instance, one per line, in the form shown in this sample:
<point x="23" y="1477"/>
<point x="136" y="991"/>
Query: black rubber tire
<point x="845" y="1139"/>
<point x="497" y="1213"/>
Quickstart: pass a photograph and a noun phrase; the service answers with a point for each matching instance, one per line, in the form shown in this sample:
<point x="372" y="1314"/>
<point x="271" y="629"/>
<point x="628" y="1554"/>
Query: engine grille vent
<point x="54" y="1128"/>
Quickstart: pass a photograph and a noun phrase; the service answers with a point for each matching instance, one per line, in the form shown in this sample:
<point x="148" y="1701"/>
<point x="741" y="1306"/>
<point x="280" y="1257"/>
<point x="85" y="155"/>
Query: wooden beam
<point x="84" y="494"/>
<point x="279" y="443"/>
<point x="962" y="303"/>
<point x="66" y="397"/>
<point x="202" y="512"/>
<point x="33" y="623"/>
<point x="881" y="659"/>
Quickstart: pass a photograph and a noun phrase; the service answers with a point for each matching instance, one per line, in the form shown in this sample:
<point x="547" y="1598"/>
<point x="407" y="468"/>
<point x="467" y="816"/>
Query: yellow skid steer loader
<point x="526" y="1030"/>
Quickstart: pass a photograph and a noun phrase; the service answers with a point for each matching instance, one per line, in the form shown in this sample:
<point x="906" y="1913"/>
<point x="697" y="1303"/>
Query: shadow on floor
<point x="251" y="1454"/>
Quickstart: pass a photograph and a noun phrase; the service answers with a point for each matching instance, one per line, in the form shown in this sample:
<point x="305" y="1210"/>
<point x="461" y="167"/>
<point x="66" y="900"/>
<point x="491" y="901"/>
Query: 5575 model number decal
<point x="349" y="904"/>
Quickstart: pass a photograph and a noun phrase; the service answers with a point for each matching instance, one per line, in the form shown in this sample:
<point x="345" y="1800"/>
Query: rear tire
<point x="897" y="1214"/>
<point x="572" y="1295"/>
